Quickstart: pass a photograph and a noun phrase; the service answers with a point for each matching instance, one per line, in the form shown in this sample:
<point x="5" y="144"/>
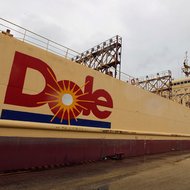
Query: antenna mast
<point x="186" y="67"/>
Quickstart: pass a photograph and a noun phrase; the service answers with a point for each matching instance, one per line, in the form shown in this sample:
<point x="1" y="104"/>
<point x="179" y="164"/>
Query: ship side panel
<point x="51" y="92"/>
<point x="26" y="153"/>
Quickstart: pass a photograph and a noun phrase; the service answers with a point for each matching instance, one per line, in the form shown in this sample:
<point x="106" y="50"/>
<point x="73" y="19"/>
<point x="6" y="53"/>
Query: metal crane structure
<point x="181" y="87"/>
<point x="105" y="57"/>
<point x="160" y="83"/>
<point x="181" y="95"/>
<point x="177" y="90"/>
<point x="186" y="67"/>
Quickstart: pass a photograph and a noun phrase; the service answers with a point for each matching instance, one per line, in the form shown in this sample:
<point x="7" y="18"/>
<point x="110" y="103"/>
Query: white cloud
<point x="155" y="32"/>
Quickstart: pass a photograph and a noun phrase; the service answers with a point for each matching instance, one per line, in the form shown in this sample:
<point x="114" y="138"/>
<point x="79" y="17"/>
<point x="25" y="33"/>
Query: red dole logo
<point x="65" y="98"/>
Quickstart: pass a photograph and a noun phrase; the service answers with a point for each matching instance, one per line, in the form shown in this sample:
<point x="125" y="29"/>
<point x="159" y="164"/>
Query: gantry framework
<point x="160" y="83"/>
<point x="105" y="57"/>
<point x="182" y="96"/>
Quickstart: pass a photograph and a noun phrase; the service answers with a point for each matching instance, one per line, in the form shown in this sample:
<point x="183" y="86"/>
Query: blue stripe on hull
<point x="36" y="117"/>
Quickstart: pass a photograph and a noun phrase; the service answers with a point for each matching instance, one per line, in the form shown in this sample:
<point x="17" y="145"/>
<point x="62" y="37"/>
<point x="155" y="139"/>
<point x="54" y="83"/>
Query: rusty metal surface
<point x="165" y="171"/>
<point x="25" y="153"/>
<point x="105" y="57"/>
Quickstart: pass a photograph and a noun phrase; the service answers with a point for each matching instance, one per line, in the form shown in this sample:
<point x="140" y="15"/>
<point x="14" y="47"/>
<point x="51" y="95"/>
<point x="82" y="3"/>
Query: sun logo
<point x="65" y="99"/>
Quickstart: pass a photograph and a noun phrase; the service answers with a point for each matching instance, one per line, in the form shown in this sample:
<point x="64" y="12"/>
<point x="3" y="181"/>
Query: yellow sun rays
<point x="58" y="107"/>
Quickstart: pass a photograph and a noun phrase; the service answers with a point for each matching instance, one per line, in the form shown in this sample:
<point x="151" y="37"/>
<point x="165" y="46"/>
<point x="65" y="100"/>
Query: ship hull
<point x="26" y="153"/>
<point x="57" y="112"/>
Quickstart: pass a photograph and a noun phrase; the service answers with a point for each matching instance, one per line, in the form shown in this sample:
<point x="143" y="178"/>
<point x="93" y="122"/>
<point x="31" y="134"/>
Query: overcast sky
<point x="155" y="33"/>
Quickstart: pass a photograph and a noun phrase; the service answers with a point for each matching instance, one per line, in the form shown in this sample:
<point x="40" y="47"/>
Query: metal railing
<point x="154" y="76"/>
<point x="125" y="77"/>
<point x="36" y="39"/>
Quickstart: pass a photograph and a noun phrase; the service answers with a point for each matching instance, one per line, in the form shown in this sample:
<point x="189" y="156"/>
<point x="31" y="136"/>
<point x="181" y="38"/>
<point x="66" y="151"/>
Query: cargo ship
<point x="60" y="107"/>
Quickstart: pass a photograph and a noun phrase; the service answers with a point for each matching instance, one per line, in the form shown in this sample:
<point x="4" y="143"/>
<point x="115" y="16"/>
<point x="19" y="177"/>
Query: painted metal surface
<point x="60" y="112"/>
<point x="25" y="153"/>
<point x="33" y="82"/>
<point x="30" y="75"/>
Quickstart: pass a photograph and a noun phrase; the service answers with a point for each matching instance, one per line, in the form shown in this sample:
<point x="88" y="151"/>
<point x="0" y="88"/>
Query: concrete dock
<point x="163" y="172"/>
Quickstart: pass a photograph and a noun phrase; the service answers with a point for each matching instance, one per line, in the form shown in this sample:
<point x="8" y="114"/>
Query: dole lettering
<point x="65" y="98"/>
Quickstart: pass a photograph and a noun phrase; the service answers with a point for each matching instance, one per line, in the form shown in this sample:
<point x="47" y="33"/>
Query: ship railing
<point x="125" y="77"/>
<point x="28" y="36"/>
<point x="148" y="78"/>
<point x="36" y="39"/>
<point x="154" y="76"/>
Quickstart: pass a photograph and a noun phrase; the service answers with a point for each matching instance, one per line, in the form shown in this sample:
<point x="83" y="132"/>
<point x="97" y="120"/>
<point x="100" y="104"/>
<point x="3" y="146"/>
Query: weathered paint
<point x="154" y="113"/>
<point x="104" y="116"/>
<point x="25" y="153"/>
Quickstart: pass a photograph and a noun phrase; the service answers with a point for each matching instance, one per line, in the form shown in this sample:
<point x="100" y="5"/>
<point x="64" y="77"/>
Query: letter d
<point x="14" y="93"/>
